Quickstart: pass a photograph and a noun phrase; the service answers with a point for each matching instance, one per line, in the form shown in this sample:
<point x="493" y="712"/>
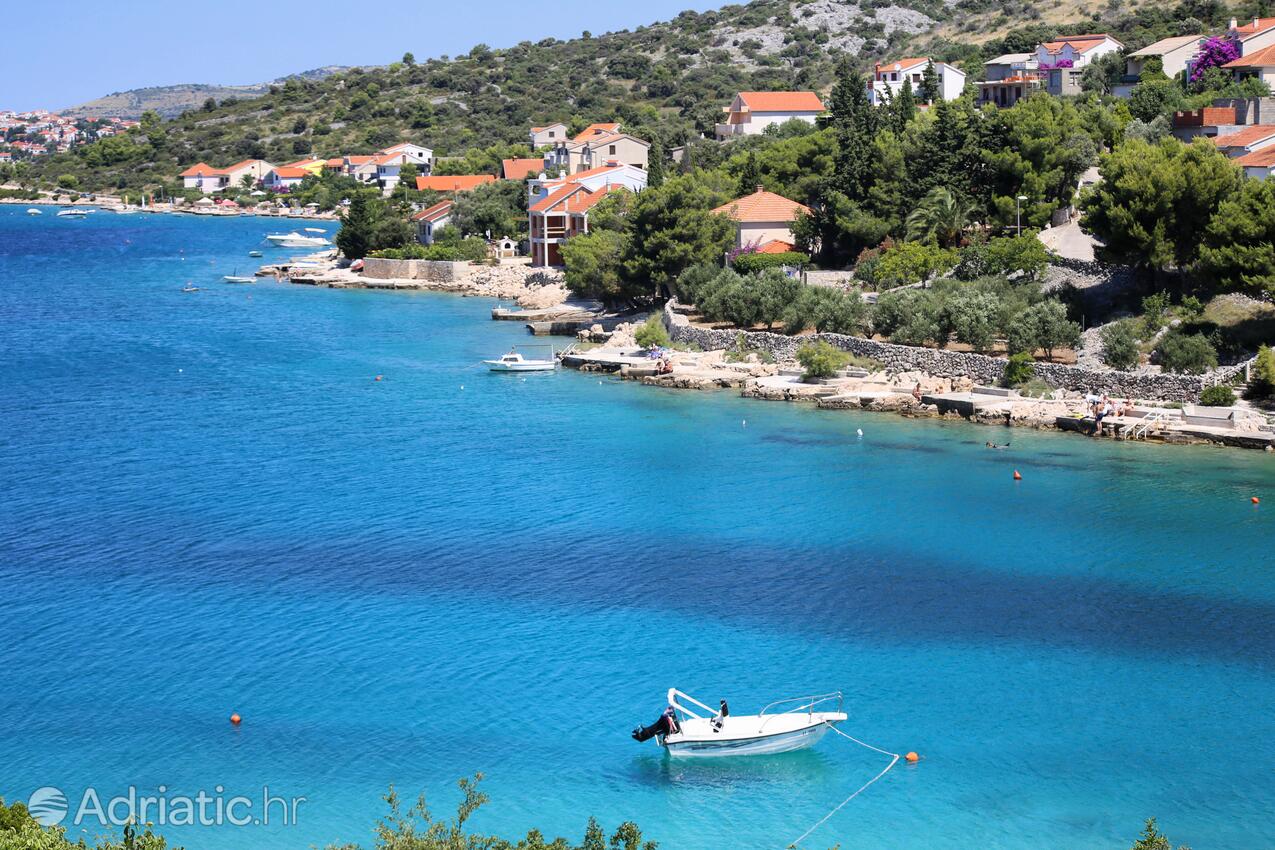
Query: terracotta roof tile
<point x="762" y="206"/>
<point x="201" y="169"/>
<point x="1264" y="58"/>
<point x="1081" y="43"/>
<point x="1254" y="27"/>
<point x="776" y="246"/>
<point x="1245" y="137"/>
<point x="903" y="64"/>
<point x="289" y="172"/>
<point x="521" y="169"/>
<point x="440" y="210"/>
<point x="596" y="130"/>
<point x="453" y="182"/>
<point x="782" y="101"/>
<point x="1265" y="158"/>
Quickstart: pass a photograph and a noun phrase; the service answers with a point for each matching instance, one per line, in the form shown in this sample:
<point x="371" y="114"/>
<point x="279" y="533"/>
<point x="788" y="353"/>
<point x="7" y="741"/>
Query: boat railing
<point x="675" y="697"/>
<point x="806" y="704"/>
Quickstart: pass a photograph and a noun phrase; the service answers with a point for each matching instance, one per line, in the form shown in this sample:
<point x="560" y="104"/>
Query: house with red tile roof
<point x="453" y="182"/>
<point x="890" y="77"/>
<point x="763" y="219"/>
<point x="1246" y="140"/>
<point x="1009" y="78"/>
<point x="521" y="169"/>
<point x="548" y="135"/>
<point x="1260" y="165"/>
<point x="1252" y="36"/>
<point x="559" y="216"/>
<point x="207" y="179"/>
<point x="1225" y="117"/>
<point x="593" y="131"/>
<point x="603" y="177"/>
<point x="751" y="112"/>
<point x="1064" y="59"/>
<point x="594" y="148"/>
<point x="282" y="178"/>
<point x="432" y="219"/>
<point x="1259" y="64"/>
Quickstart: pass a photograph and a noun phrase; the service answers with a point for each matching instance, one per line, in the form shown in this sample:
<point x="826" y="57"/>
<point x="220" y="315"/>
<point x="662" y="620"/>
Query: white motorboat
<point x="515" y="362"/>
<point x="34" y="211"/>
<point x="782" y="726"/>
<point x="235" y="278"/>
<point x="316" y="230"/>
<point x="72" y="212"/>
<point x="297" y="240"/>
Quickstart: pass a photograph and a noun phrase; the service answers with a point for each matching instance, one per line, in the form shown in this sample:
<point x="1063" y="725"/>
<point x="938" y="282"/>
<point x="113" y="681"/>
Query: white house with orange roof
<point x="604" y="177"/>
<point x="521" y="168"/>
<point x="1259" y="64"/>
<point x="751" y="112"/>
<point x="549" y="135"/>
<point x="1252" y="36"/>
<point x="282" y="178"/>
<point x="389" y="161"/>
<point x="1176" y="55"/>
<point x="452" y="182"/>
<point x="1064" y="59"/>
<point x="595" y="148"/>
<point x="207" y="179"/>
<point x="593" y="131"/>
<point x="432" y="219"/>
<point x="559" y="216"/>
<point x="763" y="220"/>
<point x="1259" y="165"/>
<point x="890" y="77"/>
<point x="1246" y="140"/>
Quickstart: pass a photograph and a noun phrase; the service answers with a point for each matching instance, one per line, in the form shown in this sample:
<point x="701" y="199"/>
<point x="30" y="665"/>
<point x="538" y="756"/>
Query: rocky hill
<point x="171" y="101"/>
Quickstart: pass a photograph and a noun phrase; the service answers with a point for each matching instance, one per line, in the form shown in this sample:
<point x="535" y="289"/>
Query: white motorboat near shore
<point x="236" y="278"/>
<point x="73" y="212"/>
<point x="34" y="211"/>
<point x="782" y="726"/>
<point x="515" y="362"/>
<point x="297" y="240"/>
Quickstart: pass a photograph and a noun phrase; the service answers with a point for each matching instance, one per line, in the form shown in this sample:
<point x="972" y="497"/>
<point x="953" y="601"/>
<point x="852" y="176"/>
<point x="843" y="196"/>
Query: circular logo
<point x="47" y="805"/>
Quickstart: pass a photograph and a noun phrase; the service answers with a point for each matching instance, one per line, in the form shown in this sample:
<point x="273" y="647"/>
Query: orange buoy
<point x="912" y="758"/>
<point x="378" y="377"/>
<point x="235" y="719"/>
<point x="1018" y="476"/>
<point x="1256" y="501"/>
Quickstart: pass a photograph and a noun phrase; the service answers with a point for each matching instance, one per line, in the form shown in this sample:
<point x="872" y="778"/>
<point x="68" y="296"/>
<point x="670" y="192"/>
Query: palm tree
<point x="941" y="217"/>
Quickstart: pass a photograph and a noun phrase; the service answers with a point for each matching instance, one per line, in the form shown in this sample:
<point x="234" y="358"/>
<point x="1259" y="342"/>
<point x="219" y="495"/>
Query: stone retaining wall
<point x="944" y="364"/>
<point x="438" y="271"/>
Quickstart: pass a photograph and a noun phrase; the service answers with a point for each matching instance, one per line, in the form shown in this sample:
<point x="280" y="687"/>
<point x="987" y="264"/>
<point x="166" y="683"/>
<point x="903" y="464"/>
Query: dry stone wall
<point x="438" y="271"/>
<point x="944" y="364"/>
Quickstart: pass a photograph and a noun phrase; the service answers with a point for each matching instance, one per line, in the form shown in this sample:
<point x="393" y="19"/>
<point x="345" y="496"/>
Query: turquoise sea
<point x="208" y="504"/>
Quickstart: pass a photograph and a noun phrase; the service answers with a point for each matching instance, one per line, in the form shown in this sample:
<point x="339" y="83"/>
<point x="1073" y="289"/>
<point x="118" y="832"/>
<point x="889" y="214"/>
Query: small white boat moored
<point x="782" y="726"/>
<point x="34" y="211"/>
<point x="236" y="278"/>
<point x="72" y="212"/>
<point x="515" y="362"/>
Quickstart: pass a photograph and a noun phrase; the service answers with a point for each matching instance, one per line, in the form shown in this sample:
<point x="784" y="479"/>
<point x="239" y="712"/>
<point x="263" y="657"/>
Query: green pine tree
<point x="655" y="166"/>
<point x="904" y="107"/>
<point x="854" y="124"/>
<point x="356" y="233"/>
<point x="750" y="176"/>
<point x="930" y="84"/>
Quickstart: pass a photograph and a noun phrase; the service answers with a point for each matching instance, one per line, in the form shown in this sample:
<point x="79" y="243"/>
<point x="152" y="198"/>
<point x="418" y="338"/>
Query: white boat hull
<point x="751" y="735"/>
<point x="523" y="366"/>
<point x="784" y="742"/>
<point x="297" y="241"/>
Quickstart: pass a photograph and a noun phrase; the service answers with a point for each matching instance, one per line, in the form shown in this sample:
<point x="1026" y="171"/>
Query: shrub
<point x="1003" y="256"/>
<point x="691" y="284"/>
<point x="1119" y="345"/>
<point x="821" y="360"/>
<point x="972" y="317"/>
<point x="1218" y="395"/>
<point x="1262" y="384"/>
<point x="750" y="263"/>
<point x="912" y="262"/>
<point x="1018" y="370"/>
<point x="1189" y="354"/>
<point x="1045" y="326"/>
<point x="651" y="334"/>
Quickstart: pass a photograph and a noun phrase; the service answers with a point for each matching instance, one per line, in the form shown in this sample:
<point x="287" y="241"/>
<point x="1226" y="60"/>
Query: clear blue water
<point x="208" y="504"/>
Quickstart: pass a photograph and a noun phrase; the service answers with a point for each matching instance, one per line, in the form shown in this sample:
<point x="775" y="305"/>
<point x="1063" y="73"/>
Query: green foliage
<point x="68" y="181"/>
<point x="1155" y="201"/>
<point x="1152" y="839"/>
<point x="1262" y="383"/>
<point x="673" y="228"/>
<point x="692" y="283"/>
<point x="651" y="333"/>
<point x="1189" y="354"/>
<point x="1154" y="99"/>
<point x="594" y="266"/>
<point x="1237" y="253"/>
<point x="909" y="317"/>
<point x="827" y="311"/>
<point x="1120" y="345"/>
<point x="912" y="262"/>
<point x="498" y="209"/>
<point x="749" y="263"/>
<point x="470" y="249"/>
<point x="1218" y="395"/>
<point x="1043" y="326"/>
<point x="1018" y="370"/>
<point x="371" y="224"/>
<point x="972" y="315"/>
<point x="940" y="219"/>
<point x="821" y="360"/>
<point x="1025" y="255"/>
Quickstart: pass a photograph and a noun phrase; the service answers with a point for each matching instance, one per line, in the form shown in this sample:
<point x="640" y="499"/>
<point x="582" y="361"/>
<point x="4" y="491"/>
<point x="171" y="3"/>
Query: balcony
<point x="728" y="131"/>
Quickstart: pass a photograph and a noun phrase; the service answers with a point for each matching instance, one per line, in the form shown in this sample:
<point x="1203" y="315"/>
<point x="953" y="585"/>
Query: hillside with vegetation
<point x="667" y="82"/>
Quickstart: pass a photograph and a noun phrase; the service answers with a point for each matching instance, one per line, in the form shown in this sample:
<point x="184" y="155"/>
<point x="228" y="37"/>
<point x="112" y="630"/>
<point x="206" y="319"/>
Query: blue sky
<point x="71" y="51"/>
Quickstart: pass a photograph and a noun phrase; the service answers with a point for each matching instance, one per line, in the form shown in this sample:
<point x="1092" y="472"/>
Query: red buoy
<point x="378" y="377"/>
<point x="235" y="719"/>
<point x="1256" y="501"/>
<point x="1018" y="475"/>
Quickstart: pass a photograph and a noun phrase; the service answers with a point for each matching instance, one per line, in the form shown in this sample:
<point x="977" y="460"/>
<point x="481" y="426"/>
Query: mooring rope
<point x="894" y="759"/>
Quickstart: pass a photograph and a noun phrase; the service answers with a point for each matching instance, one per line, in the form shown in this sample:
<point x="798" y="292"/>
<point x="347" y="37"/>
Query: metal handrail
<point x="808" y="707"/>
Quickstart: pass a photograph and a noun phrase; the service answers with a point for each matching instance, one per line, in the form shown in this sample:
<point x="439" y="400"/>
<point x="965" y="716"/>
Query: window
<point x="551" y="134"/>
<point x="612" y="150"/>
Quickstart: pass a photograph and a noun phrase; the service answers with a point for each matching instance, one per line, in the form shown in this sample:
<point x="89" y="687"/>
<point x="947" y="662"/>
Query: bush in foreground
<point x="1120" y="345"/>
<point x="821" y="360"/>
<point x="651" y="333"/>
<point x="1187" y="354"/>
<point x="1218" y="395"/>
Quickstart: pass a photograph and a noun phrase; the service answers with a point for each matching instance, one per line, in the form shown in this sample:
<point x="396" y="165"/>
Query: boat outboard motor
<point x="665" y="725"/>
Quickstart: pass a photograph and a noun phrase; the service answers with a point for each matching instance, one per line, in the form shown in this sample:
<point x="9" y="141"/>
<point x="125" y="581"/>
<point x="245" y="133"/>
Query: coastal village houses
<point x="763" y="221"/>
<point x="559" y="209"/>
<point x="1175" y="54"/>
<point x="1065" y="59"/>
<point x="432" y="219"/>
<point x="595" y="146"/>
<point x="751" y="112"/>
<point x="889" y="78"/>
<point x="452" y="182"/>
<point x="1009" y="78"/>
<point x="207" y="179"/>
<point x="545" y="137"/>
<point x="1252" y="36"/>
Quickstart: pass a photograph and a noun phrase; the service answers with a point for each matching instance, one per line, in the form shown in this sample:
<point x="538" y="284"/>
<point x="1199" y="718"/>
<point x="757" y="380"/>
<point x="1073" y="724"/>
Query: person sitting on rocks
<point x="1101" y="410"/>
<point x="916" y="391"/>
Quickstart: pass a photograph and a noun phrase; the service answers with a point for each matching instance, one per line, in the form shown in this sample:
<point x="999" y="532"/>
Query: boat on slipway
<point x="688" y="727"/>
